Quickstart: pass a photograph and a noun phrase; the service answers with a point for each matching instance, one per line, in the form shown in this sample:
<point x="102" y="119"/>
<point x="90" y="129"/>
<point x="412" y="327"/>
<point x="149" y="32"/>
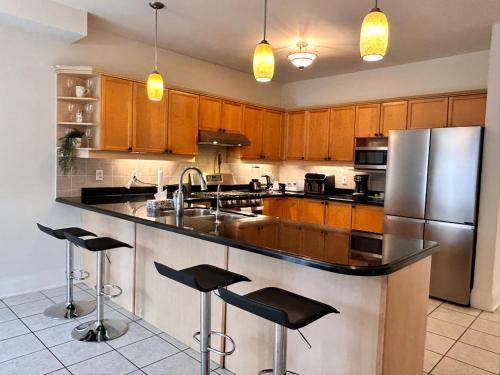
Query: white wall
<point x="30" y="260"/>
<point x="486" y="291"/>
<point x="455" y="73"/>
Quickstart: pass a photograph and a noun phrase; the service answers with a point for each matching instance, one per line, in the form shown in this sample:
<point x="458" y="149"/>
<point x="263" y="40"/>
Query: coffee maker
<point x="361" y="185"/>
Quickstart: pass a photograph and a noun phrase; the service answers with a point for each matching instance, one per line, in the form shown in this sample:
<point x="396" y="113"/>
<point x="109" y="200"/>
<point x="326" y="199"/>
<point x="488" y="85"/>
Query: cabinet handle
<point x="326" y="203"/>
<point x="325" y="158"/>
<point x="329" y="158"/>
<point x="130" y="148"/>
<point x="263" y="156"/>
<point x="302" y="158"/>
<point x="170" y="151"/>
<point x="220" y="129"/>
<point x="223" y="130"/>
<point x="322" y="202"/>
<point x="166" y="150"/>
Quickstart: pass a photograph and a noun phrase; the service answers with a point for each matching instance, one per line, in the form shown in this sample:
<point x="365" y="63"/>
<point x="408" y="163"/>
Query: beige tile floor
<point x="461" y="340"/>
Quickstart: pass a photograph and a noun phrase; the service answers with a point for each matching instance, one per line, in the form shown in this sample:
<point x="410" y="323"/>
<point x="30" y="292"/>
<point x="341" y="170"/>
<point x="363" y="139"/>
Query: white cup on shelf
<point x="81" y="91"/>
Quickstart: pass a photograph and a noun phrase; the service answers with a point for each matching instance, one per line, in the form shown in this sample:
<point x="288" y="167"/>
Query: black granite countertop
<point x="318" y="246"/>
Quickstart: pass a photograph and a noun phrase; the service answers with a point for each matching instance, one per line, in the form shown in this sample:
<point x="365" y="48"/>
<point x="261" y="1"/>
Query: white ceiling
<point x="225" y="32"/>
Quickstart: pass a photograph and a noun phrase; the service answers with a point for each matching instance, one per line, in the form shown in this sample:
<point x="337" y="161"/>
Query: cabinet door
<point x="116" y="116"/>
<point x="367" y="120"/>
<point x="290" y="238"/>
<point x="183" y="123"/>
<point x="467" y="110"/>
<point x="149" y="125"/>
<point x="312" y="211"/>
<point x="313" y="243"/>
<point x="269" y="235"/>
<point x="367" y="218"/>
<point x="342" y="133"/>
<point x="290" y="209"/>
<point x="338" y="214"/>
<point x="317" y="132"/>
<point x="337" y="247"/>
<point x="393" y="116"/>
<point x="296" y="140"/>
<point x="232" y="116"/>
<point x="272" y="135"/>
<point x="274" y="206"/>
<point x="210" y="113"/>
<point x="427" y="113"/>
<point x="252" y="128"/>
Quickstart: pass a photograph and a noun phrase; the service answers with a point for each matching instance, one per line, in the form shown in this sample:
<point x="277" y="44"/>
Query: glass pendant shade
<point x="155" y="86"/>
<point x="263" y="62"/>
<point x="374" y="36"/>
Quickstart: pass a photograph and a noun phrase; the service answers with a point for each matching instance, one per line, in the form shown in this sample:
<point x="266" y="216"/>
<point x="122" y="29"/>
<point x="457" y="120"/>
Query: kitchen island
<point x="378" y="283"/>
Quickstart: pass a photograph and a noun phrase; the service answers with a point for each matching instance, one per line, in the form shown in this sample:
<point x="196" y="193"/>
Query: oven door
<point x="370" y="158"/>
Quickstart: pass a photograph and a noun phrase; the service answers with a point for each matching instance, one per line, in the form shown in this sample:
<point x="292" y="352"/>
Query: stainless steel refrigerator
<point x="432" y="192"/>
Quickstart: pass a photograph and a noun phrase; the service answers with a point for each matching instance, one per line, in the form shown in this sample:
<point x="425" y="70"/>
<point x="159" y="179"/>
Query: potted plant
<point x="67" y="151"/>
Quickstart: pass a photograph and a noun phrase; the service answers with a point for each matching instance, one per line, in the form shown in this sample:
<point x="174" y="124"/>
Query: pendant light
<point x="302" y="59"/>
<point x="155" y="80"/>
<point x="263" y="56"/>
<point x="374" y="36"/>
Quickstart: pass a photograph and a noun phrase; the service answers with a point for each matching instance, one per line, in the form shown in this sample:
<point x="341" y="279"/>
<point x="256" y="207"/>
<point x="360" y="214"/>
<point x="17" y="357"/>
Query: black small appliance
<point x="319" y="183"/>
<point x="255" y="185"/>
<point x="361" y="185"/>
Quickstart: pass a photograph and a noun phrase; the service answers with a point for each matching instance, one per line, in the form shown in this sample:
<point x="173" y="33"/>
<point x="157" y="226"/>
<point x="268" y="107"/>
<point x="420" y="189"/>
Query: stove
<point x="239" y="200"/>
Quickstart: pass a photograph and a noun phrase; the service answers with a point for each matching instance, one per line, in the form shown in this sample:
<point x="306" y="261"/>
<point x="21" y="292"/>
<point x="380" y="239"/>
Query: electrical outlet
<point x="344" y="180"/>
<point x="99" y="175"/>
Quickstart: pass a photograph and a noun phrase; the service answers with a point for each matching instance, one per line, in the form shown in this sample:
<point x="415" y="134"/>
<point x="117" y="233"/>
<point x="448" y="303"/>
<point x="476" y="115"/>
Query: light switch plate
<point x="99" y="175"/>
<point x="344" y="180"/>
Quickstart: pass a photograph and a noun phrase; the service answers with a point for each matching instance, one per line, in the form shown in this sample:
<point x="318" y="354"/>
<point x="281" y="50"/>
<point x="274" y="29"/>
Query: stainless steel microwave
<point x="374" y="157"/>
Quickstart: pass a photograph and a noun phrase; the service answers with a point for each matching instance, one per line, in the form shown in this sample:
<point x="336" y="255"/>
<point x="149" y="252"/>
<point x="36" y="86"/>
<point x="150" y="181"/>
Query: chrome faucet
<point x="179" y="194"/>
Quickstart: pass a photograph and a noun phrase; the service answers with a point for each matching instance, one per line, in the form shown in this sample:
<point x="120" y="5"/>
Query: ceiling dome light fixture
<point x="302" y="59"/>
<point x="374" y="36"/>
<point x="263" y="56"/>
<point x="155" y="80"/>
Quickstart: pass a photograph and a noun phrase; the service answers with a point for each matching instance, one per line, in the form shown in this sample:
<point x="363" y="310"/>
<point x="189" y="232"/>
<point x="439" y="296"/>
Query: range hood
<point x="206" y="137"/>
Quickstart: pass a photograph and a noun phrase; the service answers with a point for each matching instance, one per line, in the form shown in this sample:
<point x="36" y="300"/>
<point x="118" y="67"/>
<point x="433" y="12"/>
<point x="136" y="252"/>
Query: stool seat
<point x="279" y="306"/>
<point x="59" y="233"/>
<point x="202" y="277"/>
<point x="96" y="244"/>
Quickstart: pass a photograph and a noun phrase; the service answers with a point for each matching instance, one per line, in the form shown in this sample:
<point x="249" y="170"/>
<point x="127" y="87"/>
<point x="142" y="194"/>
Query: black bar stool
<point x="205" y="278"/>
<point x="69" y="309"/>
<point x="285" y="310"/>
<point x="100" y="329"/>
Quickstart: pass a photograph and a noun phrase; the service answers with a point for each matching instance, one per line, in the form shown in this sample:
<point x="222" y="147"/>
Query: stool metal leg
<point x="205" y="326"/>
<point x="279" y="356"/>
<point x="100" y="329"/>
<point x="69" y="309"/>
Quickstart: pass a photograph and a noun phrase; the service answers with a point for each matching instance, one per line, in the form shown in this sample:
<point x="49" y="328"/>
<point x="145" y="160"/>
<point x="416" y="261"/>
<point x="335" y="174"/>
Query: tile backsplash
<point x="117" y="172"/>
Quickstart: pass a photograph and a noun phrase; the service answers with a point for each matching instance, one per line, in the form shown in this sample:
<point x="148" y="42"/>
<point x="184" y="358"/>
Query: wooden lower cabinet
<point x="367" y="218"/>
<point x="311" y="211"/>
<point x="290" y="238"/>
<point x="336" y="248"/>
<point x="338" y="214"/>
<point x="275" y="207"/>
<point x="313" y="243"/>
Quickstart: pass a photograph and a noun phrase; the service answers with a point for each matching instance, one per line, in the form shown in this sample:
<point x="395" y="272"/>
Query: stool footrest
<point x="270" y="371"/>
<point x="112" y="286"/>
<point x="220" y="334"/>
<point x="82" y="275"/>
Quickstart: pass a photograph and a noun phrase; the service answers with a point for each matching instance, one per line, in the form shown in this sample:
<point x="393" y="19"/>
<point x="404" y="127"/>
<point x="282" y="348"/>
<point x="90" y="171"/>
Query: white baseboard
<point x="485" y="300"/>
<point x="13" y="286"/>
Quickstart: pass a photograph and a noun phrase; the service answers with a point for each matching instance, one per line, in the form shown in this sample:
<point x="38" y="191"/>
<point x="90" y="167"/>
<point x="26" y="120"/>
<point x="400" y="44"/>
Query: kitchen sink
<point x="210" y="214"/>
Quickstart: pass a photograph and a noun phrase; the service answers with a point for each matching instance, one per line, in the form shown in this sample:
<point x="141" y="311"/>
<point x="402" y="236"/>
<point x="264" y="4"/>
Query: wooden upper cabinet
<point x="338" y="215"/>
<point x="393" y="116"/>
<point x="210" y="113"/>
<point x="183" y="123"/>
<point x="272" y="135"/>
<point x="367" y="120"/>
<point x="317" y="132"/>
<point x="367" y="218"/>
<point x="150" y="121"/>
<point x="312" y="211"/>
<point x="427" y="113"/>
<point x="232" y="116"/>
<point x="342" y="133"/>
<point x="296" y="139"/>
<point x="116" y="114"/>
<point x="252" y="128"/>
<point x="467" y="110"/>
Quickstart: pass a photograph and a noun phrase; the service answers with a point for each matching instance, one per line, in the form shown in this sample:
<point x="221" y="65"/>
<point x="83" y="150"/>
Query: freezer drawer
<point x="406" y="178"/>
<point x="404" y="226"/>
<point x="451" y="270"/>
<point x="454" y="161"/>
